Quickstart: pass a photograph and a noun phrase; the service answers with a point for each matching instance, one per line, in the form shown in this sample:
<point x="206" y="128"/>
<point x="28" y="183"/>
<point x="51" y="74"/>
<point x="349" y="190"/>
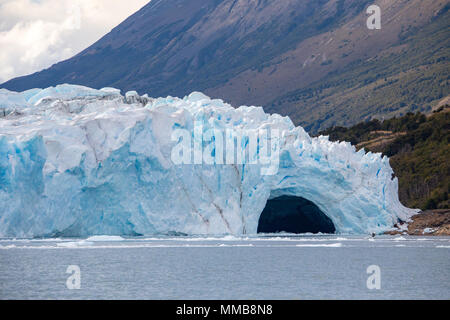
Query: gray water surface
<point x="263" y="267"/>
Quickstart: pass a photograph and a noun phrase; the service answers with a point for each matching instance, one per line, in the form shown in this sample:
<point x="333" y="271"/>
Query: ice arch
<point x="75" y="161"/>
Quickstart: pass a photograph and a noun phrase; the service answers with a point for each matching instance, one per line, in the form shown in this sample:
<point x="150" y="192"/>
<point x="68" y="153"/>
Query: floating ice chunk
<point x="105" y="238"/>
<point x="75" y="244"/>
<point x="331" y="245"/>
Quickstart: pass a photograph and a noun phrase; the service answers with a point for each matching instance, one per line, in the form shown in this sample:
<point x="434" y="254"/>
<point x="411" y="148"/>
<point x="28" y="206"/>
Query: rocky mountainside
<point x="314" y="60"/>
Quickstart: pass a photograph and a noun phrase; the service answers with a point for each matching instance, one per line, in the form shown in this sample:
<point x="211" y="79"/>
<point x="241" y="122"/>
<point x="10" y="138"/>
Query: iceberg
<point x="76" y="161"/>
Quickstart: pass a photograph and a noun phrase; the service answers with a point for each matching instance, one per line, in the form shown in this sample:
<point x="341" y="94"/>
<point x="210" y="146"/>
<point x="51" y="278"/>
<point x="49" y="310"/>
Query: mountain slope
<point x="299" y="58"/>
<point x="412" y="75"/>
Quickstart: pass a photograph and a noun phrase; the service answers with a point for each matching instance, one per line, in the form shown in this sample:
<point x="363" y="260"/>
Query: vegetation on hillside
<point x="419" y="151"/>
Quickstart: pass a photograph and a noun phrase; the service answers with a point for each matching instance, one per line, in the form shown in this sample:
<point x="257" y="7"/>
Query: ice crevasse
<point x="76" y="161"/>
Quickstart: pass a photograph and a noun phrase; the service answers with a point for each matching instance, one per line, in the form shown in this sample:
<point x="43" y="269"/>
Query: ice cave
<point x="293" y="215"/>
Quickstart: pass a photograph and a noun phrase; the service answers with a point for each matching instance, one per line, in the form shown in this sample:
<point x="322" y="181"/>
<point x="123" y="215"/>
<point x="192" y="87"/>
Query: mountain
<point x="418" y="148"/>
<point x="314" y="60"/>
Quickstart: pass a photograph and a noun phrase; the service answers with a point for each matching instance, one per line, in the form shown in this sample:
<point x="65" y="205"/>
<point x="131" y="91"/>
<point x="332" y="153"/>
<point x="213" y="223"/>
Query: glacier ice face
<point x="75" y="161"/>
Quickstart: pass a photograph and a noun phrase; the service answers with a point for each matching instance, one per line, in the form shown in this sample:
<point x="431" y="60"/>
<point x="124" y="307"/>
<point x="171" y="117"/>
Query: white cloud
<point x="34" y="34"/>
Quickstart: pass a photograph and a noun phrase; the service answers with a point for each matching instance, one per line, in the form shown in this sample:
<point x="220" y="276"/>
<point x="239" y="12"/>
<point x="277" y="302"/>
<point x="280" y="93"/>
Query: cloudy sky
<point x="34" y="34"/>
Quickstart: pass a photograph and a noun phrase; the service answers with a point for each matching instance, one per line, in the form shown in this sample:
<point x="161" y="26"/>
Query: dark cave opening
<point x="294" y="215"/>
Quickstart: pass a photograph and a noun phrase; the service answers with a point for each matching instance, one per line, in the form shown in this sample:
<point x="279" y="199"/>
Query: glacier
<point x="76" y="161"/>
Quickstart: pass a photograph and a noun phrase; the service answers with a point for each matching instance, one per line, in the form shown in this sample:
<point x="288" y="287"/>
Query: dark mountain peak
<point x="174" y="46"/>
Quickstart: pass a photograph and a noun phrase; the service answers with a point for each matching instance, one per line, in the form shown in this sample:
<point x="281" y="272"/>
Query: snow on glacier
<point x="76" y="161"/>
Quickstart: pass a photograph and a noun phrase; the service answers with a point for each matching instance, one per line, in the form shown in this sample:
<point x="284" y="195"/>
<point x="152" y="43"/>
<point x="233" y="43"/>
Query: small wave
<point x="235" y="245"/>
<point x="11" y="246"/>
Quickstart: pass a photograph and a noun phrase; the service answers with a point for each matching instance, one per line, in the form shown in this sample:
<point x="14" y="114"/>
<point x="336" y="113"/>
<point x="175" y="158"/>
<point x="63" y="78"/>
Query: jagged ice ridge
<point x="75" y="161"/>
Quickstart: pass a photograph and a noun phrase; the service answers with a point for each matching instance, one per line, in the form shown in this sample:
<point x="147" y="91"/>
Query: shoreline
<point x="426" y="223"/>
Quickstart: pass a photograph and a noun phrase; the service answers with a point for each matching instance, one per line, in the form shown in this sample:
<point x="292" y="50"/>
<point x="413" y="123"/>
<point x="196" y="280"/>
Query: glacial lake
<point x="259" y="267"/>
